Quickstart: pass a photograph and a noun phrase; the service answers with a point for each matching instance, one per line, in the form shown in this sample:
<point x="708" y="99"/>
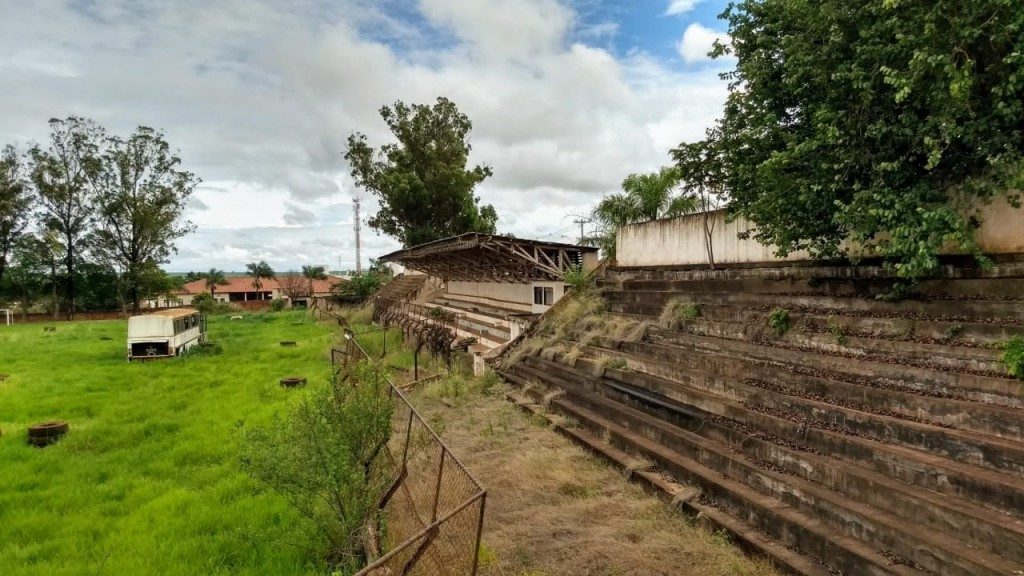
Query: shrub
<point x="778" y="320"/>
<point x="204" y="302"/>
<point x="580" y="281"/>
<point x="321" y="456"/>
<point x="277" y="304"/>
<point x="1013" y="356"/>
<point x="836" y="329"/>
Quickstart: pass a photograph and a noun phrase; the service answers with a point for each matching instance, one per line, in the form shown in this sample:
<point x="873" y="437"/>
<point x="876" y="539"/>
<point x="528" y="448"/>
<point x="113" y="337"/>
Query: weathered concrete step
<point x="985" y="487"/>
<point x="977" y="525"/>
<point x="964" y="288"/>
<point x="997" y="311"/>
<point x="476" y="317"/>
<point x="1006" y="391"/>
<point x="834" y="336"/>
<point x="876" y="527"/>
<point x="683" y="496"/>
<point x="1000" y="454"/>
<point x="478" y="304"/>
<point x="816" y="383"/>
<point x="764" y="513"/>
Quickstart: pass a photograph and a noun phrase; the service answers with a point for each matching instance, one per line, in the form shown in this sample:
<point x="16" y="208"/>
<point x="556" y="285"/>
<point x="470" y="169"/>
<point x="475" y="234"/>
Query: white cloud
<point x="676" y="7"/>
<point x="697" y="41"/>
<point x="259" y="97"/>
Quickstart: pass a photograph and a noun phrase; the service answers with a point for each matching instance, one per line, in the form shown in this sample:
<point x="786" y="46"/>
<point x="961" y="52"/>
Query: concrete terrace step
<point x="777" y="520"/>
<point x="1004" y="455"/>
<point x="993" y="311"/>
<point x="474" y="303"/>
<point x="480" y="319"/>
<point x="941" y="475"/>
<point x="1002" y="390"/>
<point x="877" y="527"/>
<point x="683" y="496"/>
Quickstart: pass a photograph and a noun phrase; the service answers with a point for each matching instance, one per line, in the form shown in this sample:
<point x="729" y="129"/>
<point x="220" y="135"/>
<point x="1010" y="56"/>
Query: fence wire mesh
<point x="432" y="513"/>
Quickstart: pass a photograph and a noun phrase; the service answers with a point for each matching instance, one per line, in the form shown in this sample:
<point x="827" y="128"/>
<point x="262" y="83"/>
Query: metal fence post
<point x="437" y="487"/>
<point x="479" y="534"/>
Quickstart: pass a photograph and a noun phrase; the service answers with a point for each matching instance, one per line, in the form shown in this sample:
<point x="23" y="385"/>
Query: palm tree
<point x="644" y="197"/>
<point x="214" y="278"/>
<point x="312" y="273"/>
<point x="259" y="271"/>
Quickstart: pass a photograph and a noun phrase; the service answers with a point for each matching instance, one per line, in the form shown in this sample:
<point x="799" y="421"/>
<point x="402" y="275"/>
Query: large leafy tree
<point x="885" y="122"/>
<point x="701" y="171"/>
<point x="15" y="203"/>
<point x="140" y="206"/>
<point x="421" y="181"/>
<point x="312" y="273"/>
<point x="644" y="197"/>
<point x="64" y="175"/>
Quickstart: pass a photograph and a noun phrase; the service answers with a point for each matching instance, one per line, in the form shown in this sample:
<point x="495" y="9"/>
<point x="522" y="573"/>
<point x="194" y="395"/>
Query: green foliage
<point x="259" y="271"/>
<point x="837" y="330"/>
<point x="778" y="320"/>
<point x="277" y="304"/>
<point x="141" y="196"/>
<point x="422" y="184"/>
<point x="885" y="123"/>
<point x="644" y="197"/>
<point x="579" y="280"/>
<point x="689" y="312"/>
<point x="1013" y="356"/>
<point x="322" y="457"/>
<point x="16" y="202"/>
<point x="207" y="304"/>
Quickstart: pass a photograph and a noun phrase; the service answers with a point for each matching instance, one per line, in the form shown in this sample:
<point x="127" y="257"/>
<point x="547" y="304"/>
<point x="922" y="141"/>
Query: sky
<point x="567" y="97"/>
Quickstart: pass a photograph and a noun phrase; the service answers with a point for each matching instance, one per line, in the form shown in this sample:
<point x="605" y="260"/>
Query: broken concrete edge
<point x="681" y="497"/>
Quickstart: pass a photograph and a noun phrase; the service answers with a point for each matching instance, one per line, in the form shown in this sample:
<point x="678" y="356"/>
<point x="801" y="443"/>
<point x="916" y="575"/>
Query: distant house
<point x="239" y="289"/>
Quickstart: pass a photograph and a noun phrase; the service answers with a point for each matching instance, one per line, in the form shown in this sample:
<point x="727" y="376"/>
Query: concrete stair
<point x="871" y="438"/>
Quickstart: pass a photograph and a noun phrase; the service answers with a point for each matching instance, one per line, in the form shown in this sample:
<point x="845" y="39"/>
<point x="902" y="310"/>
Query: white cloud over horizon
<point x="697" y="41"/>
<point x="260" y="96"/>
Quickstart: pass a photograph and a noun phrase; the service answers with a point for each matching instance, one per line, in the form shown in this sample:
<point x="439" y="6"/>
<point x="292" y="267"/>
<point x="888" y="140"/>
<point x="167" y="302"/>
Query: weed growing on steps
<point x="837" y="330"/>
<point x="953" y="331"/>
<point x="1013" y="356"/>
<point x="778" y="320"/>
<point x="678" y="314"/>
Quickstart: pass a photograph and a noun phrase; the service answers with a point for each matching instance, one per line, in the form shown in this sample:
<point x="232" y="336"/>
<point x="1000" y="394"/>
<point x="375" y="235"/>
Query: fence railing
<point x="433" y="511"/>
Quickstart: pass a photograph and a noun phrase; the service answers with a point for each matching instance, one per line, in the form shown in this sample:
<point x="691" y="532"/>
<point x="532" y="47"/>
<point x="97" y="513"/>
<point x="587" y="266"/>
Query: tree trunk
<point x="135" y="297"/>
<point x="69" y="282"/>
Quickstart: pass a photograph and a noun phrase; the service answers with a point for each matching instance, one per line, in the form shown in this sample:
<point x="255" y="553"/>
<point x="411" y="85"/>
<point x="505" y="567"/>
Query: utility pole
<point x="581" y="222"/>
<point x="359" y="260"/>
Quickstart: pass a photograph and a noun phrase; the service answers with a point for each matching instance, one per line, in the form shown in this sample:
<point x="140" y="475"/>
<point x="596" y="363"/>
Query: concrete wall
<point x="517" y="296"/>
<point x="680" y="241"/>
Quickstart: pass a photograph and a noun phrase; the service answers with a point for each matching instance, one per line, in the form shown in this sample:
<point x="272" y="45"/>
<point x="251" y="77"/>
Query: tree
<point x="422" y="184"/>
<point x="644" y="197"/>
<point x="32" y="271"/>
<point x="15" y="203"/>
<point x="259" y="271"/>
<point x="887" y="124"/>
<point x="701" y="171"/>
<point x="140" y="205"/>
<point x="214" y="278"/>
<point x="64" y="174"/>
<point x="312" y="273"/>
<point x="294" y="286"/>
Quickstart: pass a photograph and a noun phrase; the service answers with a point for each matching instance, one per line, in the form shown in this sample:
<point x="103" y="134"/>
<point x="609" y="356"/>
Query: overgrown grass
<point x="148" y="481"/>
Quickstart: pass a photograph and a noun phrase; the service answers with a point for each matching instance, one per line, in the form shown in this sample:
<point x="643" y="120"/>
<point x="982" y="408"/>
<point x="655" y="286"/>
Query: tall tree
<point x="701" y="170"/>
<point x="214" y="278"/>
<point x="140" y="205"/>
<point x="311" y="273"/>
<point x="15" y="203"/>
<point x="887" y="123"/>
<point x="259" y="271"/>
<point x="422" y="183"/>
<point x="644" y="197"/>
<point x="32" y="271"/>
<point x="64" y="175"/>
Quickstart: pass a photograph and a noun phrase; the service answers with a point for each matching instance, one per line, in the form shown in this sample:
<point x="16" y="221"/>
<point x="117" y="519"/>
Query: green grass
<point x="148" y="479"/>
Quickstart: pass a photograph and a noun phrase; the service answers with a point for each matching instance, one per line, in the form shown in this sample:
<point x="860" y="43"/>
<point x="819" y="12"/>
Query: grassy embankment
<point x="148" y="480"/>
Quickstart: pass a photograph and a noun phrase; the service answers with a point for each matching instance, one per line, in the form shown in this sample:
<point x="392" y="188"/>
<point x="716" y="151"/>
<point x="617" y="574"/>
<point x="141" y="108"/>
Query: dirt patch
<point x="554" y="509"/>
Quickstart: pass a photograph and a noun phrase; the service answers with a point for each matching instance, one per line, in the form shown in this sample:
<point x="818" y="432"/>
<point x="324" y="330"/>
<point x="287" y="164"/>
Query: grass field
<point x="147" y="481"/>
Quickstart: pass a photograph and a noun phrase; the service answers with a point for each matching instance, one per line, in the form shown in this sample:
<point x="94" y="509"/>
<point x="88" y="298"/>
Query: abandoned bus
<point x="164" y="333"/>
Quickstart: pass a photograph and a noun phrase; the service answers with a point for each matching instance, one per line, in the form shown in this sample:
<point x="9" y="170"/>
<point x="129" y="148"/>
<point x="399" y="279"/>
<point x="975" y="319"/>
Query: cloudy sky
<point x="566" y="98"/>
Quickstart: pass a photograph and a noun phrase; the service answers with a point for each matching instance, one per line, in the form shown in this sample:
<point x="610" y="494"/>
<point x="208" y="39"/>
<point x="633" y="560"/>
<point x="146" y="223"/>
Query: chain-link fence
<point x="433" y="511"/>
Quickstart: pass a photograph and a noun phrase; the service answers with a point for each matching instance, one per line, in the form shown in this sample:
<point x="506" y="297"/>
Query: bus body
<point x="164" y="333"/>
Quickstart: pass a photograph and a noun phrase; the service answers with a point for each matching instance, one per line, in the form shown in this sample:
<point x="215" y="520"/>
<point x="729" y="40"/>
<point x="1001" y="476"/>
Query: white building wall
<point x="680" y="241"/>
